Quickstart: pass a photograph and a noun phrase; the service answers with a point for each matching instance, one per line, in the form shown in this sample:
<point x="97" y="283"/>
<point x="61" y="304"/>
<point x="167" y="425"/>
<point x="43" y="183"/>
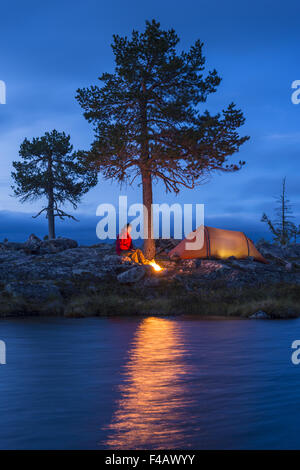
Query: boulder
<point x="259" y="315"/>
<point x="132" y="275"/>
<point x="32" y="245"/>
<point x="112" y="259"/>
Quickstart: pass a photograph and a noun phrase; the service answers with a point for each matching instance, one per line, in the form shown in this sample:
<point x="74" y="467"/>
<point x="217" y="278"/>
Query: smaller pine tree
<point x="284" y="231"/>
<point x="50" y="169"/>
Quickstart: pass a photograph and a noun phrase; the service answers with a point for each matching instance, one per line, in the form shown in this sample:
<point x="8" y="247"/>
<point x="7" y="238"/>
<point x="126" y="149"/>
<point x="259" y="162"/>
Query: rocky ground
<point x="58" y="277"/>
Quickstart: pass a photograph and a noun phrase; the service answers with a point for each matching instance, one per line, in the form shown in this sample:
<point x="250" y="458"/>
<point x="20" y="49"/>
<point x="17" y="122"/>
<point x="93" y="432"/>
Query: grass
<point x="276" y="301"/>
<point x="114" y="305"/>
<point x="279" y="301"/>
<point x="168" y="298"/>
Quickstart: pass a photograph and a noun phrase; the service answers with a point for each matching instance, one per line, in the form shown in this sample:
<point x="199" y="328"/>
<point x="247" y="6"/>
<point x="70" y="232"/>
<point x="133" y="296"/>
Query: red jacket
<point x="124" y="243"/>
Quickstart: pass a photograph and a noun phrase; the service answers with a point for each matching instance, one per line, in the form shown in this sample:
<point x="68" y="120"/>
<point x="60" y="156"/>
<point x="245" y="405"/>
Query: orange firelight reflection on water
<point x="150" y="411"/>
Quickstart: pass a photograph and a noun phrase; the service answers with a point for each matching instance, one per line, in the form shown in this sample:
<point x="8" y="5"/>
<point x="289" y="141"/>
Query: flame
<point x="138" y="257"/>
<point x="155" y="266"/>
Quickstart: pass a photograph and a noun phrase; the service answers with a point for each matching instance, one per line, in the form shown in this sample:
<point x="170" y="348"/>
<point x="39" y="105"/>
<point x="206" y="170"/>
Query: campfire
<point x="138" y="258"/>
<point x="154" y="265"/>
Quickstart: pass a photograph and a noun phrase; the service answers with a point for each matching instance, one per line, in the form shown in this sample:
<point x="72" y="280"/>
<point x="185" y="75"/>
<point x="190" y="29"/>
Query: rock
<point x="289" y="267"/>
<point x="271" y="251"/>
<point x="85" y="272"/>
<point x="57" y="245"/>
<point x="36" y="246"/>
<point x="259" y="315"/>
<point x="107" y="247"/>
<point x="212" y="268"/>
<point x="40" y="298"/>
<point x="33" y="291"/>
<point x="167" y="264"/>
<point x="33" y="239"/>
<point x="32" y="245"/>
<point x="14" y="246"/>
<point x="40" y="275"/>
<point x="112" y="259"/>
<point x="189" y="263"/>
<point x="152" y="282"/>
<point x="293" y="250"/>
<point x="133" y="275"/>
<point x="243" y="265"/>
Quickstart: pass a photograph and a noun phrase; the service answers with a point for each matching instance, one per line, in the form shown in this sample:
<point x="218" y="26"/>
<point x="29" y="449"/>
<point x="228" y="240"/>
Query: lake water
<point x="136" y="383"/>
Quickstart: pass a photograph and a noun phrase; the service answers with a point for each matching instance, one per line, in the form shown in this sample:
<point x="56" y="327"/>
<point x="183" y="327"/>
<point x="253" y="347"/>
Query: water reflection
<point x="151" y="410"/>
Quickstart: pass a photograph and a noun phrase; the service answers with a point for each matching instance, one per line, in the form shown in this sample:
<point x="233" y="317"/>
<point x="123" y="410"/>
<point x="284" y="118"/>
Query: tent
<point x="217" y="243"/>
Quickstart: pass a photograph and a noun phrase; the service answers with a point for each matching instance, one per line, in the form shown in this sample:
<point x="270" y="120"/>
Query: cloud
<point x="17" y="226"/>
<point x="290" y="136"/>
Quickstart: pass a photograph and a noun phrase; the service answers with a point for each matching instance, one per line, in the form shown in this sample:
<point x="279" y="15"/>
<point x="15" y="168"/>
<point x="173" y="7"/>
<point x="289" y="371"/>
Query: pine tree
<point x="50" y="169"/>
<point x="147" y="121"/>
<point x="283" y="229"/>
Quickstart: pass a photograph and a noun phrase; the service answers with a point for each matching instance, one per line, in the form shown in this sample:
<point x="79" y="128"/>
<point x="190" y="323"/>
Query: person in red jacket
<point x="124" y="240"/>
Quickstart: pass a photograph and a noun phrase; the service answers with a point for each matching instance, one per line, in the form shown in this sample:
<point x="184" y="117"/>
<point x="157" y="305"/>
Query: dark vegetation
<point x="278" y="301"/>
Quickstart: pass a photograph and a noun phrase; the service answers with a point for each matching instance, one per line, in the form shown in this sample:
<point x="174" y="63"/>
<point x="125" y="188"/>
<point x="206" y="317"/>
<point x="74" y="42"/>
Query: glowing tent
<point x="217" y="243"/>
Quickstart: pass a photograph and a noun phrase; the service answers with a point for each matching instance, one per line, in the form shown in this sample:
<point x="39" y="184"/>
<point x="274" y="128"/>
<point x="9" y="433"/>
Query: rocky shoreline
<point x="58" y="277"/>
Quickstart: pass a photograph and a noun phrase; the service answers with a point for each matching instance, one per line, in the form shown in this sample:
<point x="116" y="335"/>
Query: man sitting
<point x="124" y="246"/>
<point x="124" y="240"/>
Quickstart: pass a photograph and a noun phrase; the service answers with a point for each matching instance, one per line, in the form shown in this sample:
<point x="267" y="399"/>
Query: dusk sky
<point x="48" y="50"/>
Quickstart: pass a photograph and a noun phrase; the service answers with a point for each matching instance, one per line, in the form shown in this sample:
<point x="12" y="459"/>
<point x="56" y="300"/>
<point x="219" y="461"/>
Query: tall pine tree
<point x="147" y="120"/>
<point x="50" y="169"/>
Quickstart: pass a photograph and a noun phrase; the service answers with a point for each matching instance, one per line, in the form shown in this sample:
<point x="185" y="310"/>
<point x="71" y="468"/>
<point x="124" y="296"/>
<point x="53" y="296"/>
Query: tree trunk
<point x="51" y="218"/>
<point x="149" y="242"/>
<point x="50" y="208"/>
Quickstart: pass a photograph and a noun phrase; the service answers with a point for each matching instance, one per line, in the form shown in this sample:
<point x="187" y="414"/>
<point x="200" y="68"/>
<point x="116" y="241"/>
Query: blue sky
<point x="49" y="49"/>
